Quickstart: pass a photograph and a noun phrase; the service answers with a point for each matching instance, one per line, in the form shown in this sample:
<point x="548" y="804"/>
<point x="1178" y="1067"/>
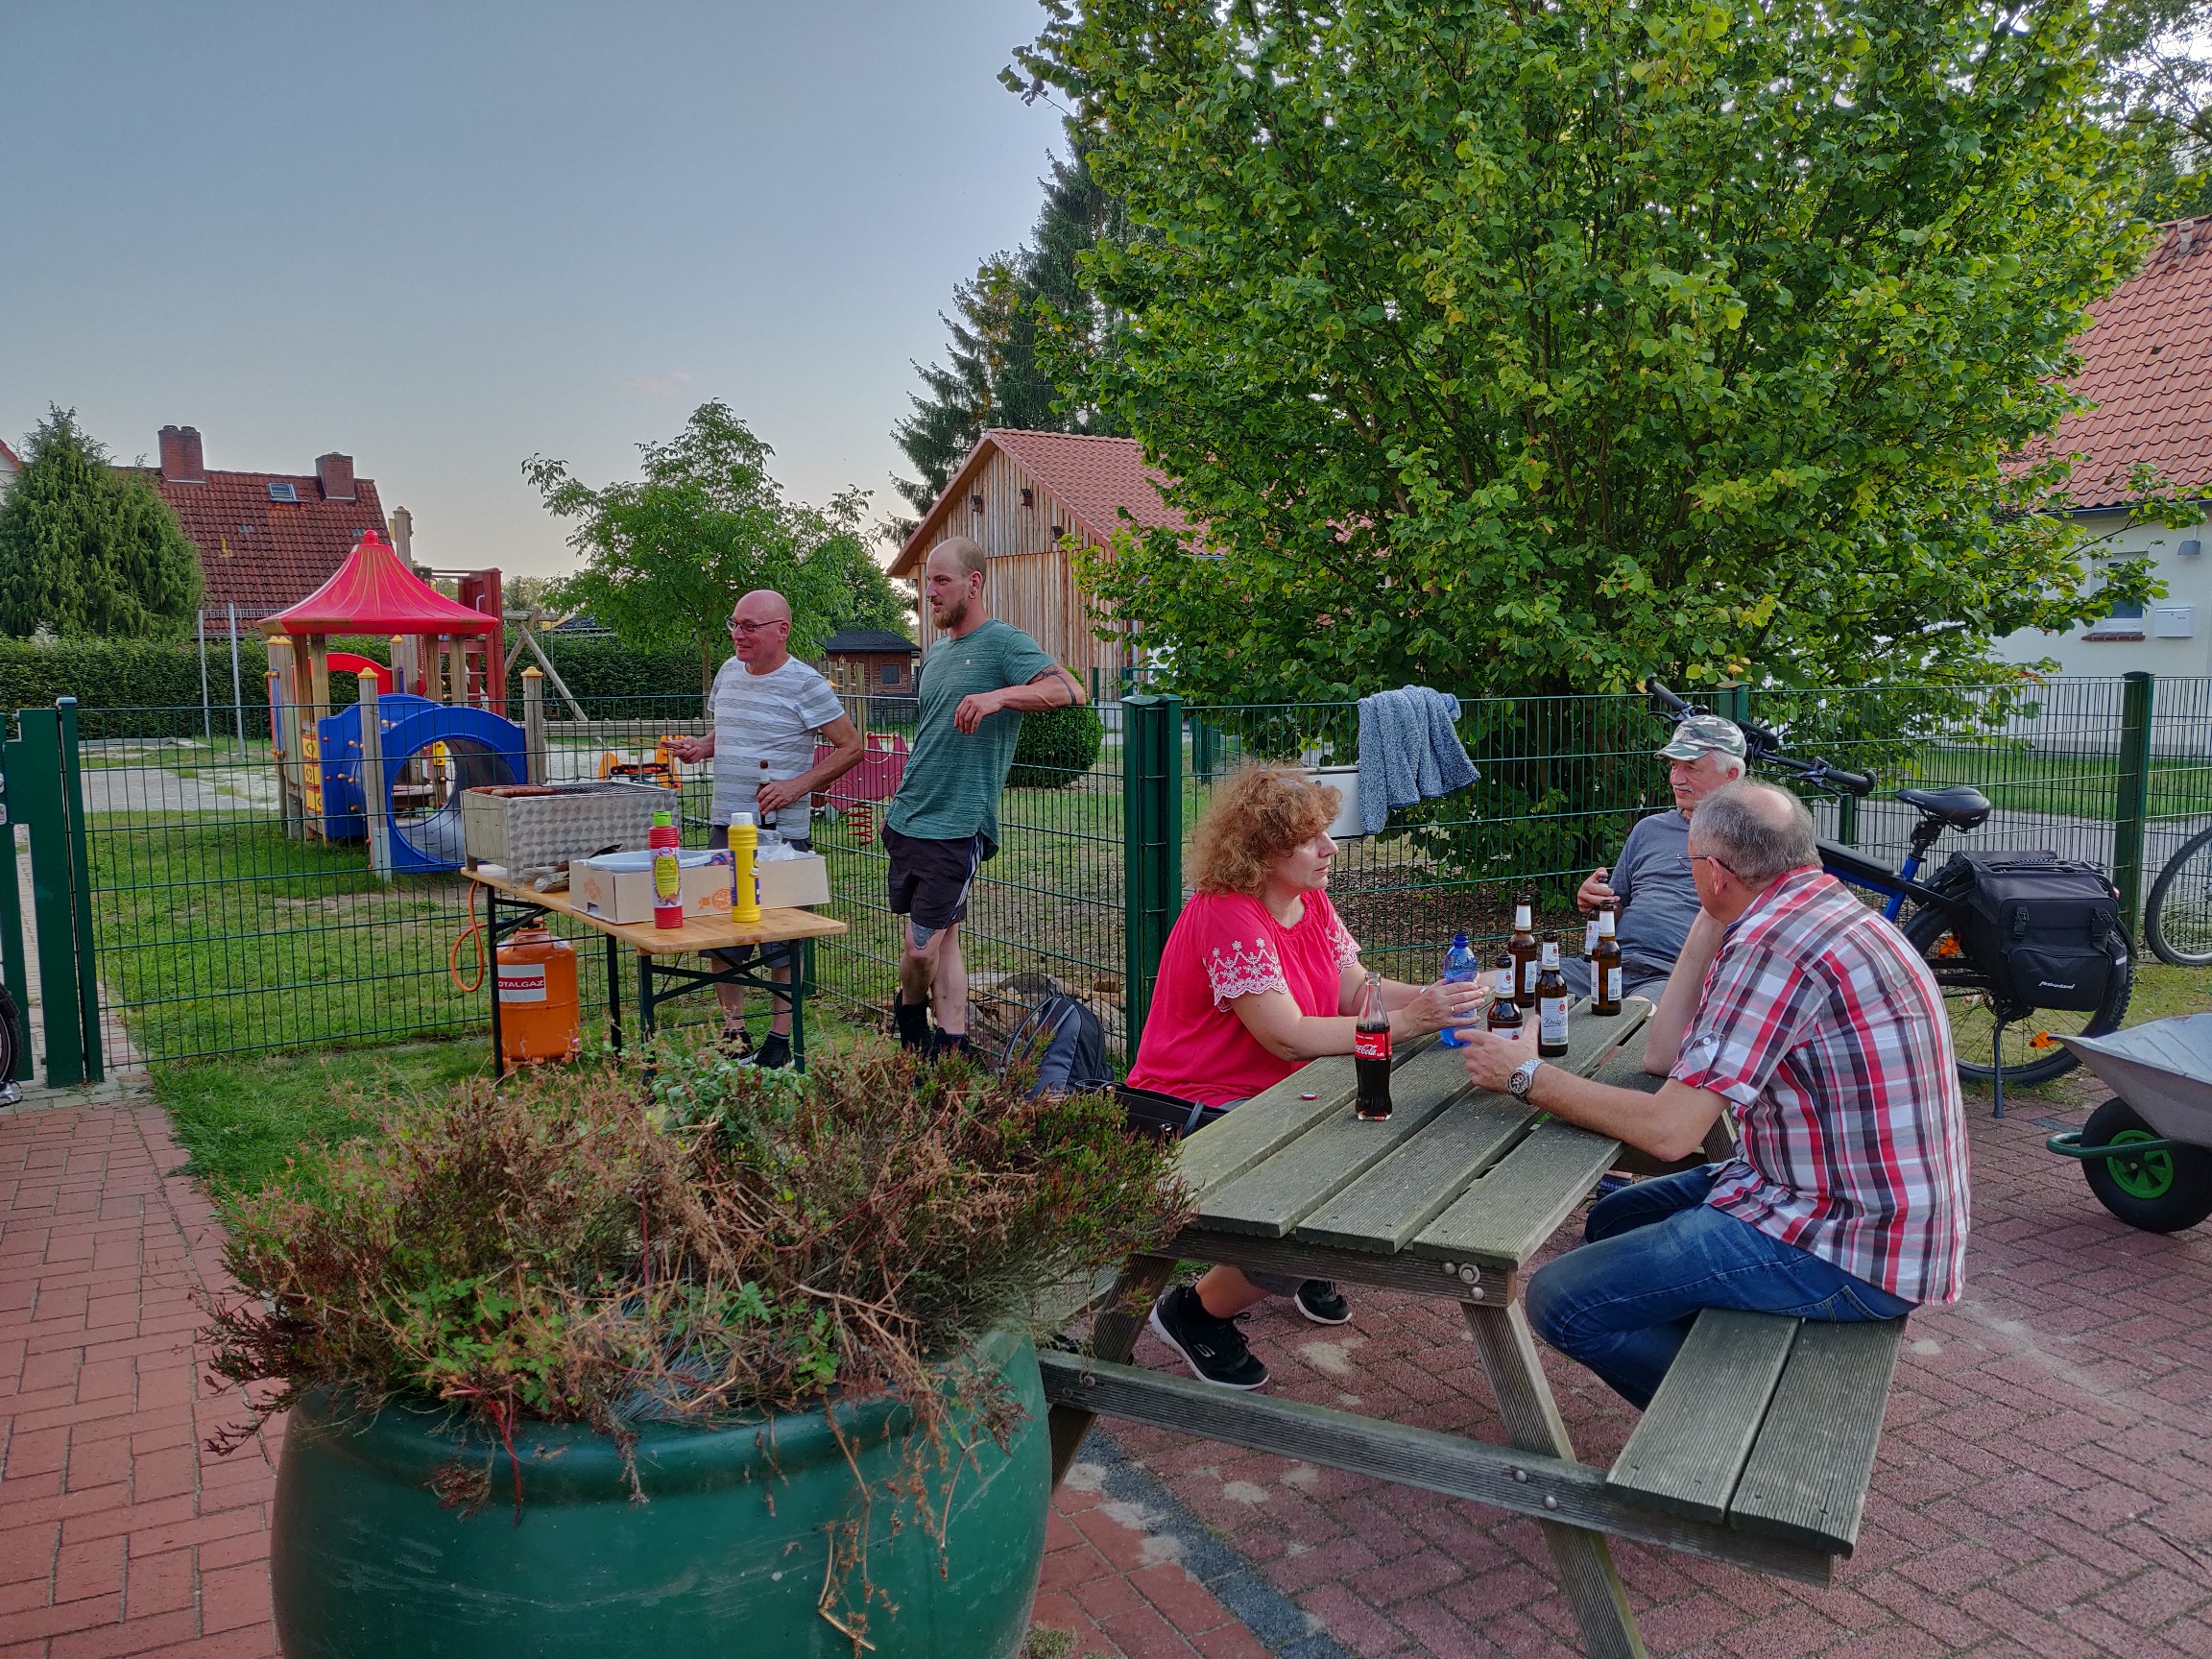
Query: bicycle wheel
<point x="2032" y="1052"/>
<point x="2177" y="916"/>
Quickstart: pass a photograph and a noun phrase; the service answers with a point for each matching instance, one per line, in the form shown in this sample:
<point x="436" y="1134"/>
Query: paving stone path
<point x="2045" y="1485"/>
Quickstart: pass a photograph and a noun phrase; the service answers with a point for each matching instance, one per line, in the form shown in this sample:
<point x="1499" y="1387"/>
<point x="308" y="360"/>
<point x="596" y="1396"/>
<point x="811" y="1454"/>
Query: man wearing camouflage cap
<point x="1653" y="897"/>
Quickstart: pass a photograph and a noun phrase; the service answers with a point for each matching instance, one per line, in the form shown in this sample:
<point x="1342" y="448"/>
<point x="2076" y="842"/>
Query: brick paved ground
<point x="2043" y="1489"/>
<point x="120" y="1536"/>
<point x="2044" y="1485"/>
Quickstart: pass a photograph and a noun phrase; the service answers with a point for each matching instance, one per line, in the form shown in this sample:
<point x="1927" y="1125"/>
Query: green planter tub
<point x="727" y="1555"/>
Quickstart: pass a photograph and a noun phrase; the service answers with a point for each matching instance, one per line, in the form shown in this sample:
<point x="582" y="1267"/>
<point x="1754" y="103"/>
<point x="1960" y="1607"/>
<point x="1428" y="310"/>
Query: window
<point x="890" y="673"/>
<point x="284" y="490"/>
<point x="2126" y="610"/>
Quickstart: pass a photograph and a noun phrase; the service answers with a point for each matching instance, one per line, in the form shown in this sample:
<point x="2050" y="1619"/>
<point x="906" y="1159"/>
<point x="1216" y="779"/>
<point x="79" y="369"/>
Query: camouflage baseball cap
<point x="1705" y="735"/>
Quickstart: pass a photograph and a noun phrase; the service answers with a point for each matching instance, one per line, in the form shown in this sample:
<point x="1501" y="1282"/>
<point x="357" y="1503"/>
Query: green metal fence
<point x="216" y="931"/>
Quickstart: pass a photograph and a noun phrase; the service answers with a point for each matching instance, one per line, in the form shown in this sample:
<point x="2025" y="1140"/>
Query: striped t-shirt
<point x="770" y="716"/>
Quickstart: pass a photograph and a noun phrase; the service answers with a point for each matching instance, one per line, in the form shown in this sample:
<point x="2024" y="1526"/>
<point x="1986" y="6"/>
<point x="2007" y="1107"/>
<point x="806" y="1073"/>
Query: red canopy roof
<point x="372" y="592"/>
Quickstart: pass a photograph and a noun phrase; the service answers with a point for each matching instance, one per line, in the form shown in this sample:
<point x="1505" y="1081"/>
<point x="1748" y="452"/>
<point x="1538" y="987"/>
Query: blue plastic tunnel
<point x="481" y="749"/>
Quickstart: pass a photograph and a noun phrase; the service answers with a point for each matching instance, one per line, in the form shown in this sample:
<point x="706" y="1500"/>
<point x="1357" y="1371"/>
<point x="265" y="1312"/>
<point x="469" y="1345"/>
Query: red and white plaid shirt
<point x="1826" y="1033"/>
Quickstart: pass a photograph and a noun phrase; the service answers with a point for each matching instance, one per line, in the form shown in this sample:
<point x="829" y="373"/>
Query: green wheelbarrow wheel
<point x="2164" y="1189"/>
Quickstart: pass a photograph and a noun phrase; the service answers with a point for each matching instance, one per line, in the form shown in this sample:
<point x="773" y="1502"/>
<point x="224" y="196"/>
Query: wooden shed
<point x="870" y="662"/>
<point x="1020" y="494"/>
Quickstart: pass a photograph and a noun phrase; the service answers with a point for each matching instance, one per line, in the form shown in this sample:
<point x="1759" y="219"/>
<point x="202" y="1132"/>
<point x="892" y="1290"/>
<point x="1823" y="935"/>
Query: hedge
<point x="1056" y="747"/>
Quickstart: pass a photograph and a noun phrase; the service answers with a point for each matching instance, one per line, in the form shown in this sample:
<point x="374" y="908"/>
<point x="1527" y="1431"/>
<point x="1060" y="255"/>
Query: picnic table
<point x="658" y="981"/>
<point x="1757" y="1450"/>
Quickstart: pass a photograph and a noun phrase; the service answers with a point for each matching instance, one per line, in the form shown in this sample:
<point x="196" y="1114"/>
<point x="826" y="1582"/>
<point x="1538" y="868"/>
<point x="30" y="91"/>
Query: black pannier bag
<point x="1063" y="1039"/>
<point x="2045" y="929"/>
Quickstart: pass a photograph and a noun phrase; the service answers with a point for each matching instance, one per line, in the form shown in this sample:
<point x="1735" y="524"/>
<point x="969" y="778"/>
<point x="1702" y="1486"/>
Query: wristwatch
<point x="1523" y="1078"/>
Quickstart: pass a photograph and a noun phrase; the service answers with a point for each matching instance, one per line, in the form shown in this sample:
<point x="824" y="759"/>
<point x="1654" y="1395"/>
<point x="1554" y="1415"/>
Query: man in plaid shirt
<point x="1807" y="1016"/>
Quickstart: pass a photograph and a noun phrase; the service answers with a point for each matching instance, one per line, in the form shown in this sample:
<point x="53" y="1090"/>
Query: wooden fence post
<point x="372" y="798"/>
<point x="534" y="723"/>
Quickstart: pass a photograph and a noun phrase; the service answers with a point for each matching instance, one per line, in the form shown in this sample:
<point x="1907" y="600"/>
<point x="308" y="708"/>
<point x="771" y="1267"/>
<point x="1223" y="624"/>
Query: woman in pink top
<point x="1258" y="977"/>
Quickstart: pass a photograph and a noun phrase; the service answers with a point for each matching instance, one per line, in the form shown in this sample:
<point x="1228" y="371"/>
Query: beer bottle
<point x="1550" y="1003"/>
<point x="1371" y="1054"/>
<point x="1504" y="1012"/>
<point x="1522" y="947"/>
<point x="1605" y="967"/>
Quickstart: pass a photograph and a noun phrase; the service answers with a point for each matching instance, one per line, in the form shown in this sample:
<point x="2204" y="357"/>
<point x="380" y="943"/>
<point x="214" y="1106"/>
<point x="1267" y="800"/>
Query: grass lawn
<point x="2074" y="786"/>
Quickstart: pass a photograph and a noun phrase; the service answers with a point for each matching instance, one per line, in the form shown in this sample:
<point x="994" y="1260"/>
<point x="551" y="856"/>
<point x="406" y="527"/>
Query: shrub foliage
<point x="1056" y="747"/>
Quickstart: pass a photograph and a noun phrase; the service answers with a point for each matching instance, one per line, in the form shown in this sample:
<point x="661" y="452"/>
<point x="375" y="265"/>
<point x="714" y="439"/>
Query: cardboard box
<point x="621" y="888"/>
<point x="793" y="883"/>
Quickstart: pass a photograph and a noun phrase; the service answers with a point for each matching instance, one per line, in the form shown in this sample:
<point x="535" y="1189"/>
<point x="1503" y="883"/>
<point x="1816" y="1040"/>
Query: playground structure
<point x="391" y="769"/>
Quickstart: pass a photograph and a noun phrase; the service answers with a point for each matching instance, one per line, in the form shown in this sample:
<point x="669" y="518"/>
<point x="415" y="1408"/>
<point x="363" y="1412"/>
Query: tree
<point x="1542" y="348"/>
<point x="2161" y="82"/>
<point x="667" y="556"/>
<point x="88" y="550"/>
<point x="992" y="375"/>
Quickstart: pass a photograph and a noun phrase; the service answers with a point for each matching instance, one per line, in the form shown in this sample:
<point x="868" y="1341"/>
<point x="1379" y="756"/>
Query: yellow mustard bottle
<point x="744" y="888"/>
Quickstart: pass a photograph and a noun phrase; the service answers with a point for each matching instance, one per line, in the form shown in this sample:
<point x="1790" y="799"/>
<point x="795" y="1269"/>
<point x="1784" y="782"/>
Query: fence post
<point x="372" y="798"/>
<point x="1152" y="847"/>
<point x="2131" y="795"/>
<point x="15" y="971"/>
<point x="238" y="687"/>
<point x="80" y="889"/>
<point x="206" y="707"/>
<point x="534" y="723"/>
<point x="1732" y="699"/>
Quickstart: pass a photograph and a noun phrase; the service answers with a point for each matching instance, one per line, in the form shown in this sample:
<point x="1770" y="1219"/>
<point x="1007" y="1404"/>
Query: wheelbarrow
<point x="2147" y="1154"/>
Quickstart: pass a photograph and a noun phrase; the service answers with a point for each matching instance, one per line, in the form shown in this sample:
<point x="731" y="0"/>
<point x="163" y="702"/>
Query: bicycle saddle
<point x="1961" y="806"/>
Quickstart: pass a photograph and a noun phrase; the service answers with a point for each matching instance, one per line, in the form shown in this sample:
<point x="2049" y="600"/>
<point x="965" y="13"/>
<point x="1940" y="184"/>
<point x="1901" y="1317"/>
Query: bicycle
<point x="2177" y="916"/>
<point x="2021" y="1039"/>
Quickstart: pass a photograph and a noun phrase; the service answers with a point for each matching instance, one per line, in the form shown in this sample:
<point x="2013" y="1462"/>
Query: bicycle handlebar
<point x="1763" y="743"/>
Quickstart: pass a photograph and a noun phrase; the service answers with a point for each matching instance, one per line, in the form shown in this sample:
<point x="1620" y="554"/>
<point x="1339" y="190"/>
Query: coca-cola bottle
<point x="1371" y="1054"/>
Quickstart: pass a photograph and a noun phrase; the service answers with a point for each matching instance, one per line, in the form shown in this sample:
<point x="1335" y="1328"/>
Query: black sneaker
<point x="774" y="1053"/>
<point x="913" y="1023"/>
<point x="1214" y="1349"/>
<point x="1319" y="1301"/>
<point x="944" y="1042"/>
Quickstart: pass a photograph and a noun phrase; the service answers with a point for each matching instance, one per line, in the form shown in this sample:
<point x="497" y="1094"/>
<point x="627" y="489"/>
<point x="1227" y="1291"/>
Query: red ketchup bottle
<point x="667" y="874"/>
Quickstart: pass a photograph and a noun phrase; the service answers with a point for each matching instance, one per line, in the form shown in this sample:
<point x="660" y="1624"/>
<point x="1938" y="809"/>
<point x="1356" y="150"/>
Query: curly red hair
<point x="1257" y="814"/>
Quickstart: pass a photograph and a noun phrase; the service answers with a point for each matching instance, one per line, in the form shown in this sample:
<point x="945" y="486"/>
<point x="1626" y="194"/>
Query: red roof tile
<point x="263" y="555"/>
<point x="1093" y="478"/>
<point x="2146" y="363"/>
<point x="9" y="456"/>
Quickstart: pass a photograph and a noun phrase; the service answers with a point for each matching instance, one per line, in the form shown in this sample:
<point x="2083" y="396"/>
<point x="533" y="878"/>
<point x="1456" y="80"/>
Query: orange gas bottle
<point x="538" y="1011"/>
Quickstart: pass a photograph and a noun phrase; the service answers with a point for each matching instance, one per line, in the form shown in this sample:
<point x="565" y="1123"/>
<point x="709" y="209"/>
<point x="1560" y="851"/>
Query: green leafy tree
<point x="1543" y="348"/>
<point x="2161" y="82"/>
<point x="992" y="375"/>
<point x="88" y="550"/>
<point x="667" y="555"/>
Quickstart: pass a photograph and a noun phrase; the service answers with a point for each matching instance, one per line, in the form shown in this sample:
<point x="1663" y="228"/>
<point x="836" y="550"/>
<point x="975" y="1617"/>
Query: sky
<point x="444" y="238"/>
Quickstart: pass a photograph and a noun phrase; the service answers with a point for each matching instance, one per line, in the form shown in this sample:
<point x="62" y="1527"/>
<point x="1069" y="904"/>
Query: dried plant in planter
<point x="746" y="1242"/>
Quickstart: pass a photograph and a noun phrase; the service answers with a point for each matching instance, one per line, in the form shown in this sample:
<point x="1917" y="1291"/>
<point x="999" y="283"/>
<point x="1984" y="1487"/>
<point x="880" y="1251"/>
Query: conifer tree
<point x="88" y="550"/>
<point x="991" y="376"/>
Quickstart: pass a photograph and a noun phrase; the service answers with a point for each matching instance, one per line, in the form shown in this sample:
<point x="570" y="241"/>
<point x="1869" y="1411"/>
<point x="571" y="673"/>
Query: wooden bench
<point x="1768" y="1426"/>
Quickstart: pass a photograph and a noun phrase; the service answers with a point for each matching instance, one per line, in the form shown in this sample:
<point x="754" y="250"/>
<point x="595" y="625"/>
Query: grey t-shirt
<point x="770" y="717"/>
<point x="1658" y="902"/>
<point x="950" y="790"/>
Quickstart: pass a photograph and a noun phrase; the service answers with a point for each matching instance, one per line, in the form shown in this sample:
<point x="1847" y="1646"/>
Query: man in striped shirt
<point x="1810" y="1018"/>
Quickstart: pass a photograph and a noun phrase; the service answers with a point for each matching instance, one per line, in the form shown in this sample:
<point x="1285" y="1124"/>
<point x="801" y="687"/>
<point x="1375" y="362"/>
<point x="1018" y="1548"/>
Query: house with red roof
<point x="11" y="464"/>
<point x="2147" y="365"/>
<point x="266" y="539"/>
<point x="1024" y="496"/>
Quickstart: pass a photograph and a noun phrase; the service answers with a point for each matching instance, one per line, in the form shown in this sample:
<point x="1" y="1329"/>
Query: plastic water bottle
<point x="1461" y="967"/>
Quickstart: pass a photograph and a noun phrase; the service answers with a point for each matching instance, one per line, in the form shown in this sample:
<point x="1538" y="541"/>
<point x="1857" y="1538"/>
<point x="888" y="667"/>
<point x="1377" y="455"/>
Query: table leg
<point x="1508" y="1352"/>
<point x="492" y="978"/>
<point x="613" y="992"/>
<point x="1113" y="1334"/>
<point x="802" y="975"/>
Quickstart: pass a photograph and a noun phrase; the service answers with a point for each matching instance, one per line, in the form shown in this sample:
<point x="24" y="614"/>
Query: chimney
<point x="182" y="461"/>
<point x="336" y="472"/>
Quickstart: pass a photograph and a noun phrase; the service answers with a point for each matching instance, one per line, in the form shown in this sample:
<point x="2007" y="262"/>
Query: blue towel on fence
<point x="1408" y="752"/>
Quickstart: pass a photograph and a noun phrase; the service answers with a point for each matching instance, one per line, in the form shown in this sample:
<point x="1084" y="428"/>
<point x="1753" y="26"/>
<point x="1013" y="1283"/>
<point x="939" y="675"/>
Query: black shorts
<point x="929" y="879"/>
<point x="775" y="955"/>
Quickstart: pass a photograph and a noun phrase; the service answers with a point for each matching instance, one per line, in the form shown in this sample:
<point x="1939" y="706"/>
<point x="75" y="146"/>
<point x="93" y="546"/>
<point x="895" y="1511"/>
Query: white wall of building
<point x="2171" y="638"/>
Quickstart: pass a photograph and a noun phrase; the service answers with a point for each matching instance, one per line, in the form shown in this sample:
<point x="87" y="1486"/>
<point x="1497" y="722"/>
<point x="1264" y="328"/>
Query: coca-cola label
<point x="1552" y="1019"/>
<point x="1369" y="1045"/>
<point x="521" y="982"/>
<point x="1613" y="984"/>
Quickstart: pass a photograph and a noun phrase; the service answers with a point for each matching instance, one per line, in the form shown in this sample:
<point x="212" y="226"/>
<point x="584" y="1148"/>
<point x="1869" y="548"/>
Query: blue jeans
<point x="1655" y="1253"/>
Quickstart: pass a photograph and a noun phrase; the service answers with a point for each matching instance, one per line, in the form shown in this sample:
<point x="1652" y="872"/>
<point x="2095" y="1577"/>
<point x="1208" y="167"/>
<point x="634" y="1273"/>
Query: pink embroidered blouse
<point x="1222" y="947"/>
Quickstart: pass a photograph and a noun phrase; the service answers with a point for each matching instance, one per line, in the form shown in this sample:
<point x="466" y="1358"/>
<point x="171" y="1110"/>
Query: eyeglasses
<point x="737" y="627"/>
<point x="1686" y="859"/>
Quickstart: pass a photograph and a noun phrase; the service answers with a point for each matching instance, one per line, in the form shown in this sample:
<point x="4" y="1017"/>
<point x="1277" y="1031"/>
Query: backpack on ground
<point x="1062" y="1038"/>
<point x="2045" y="929"/>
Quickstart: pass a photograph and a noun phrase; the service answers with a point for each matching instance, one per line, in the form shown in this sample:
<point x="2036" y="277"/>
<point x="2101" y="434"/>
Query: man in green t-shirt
<point x="975" y="683"/>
